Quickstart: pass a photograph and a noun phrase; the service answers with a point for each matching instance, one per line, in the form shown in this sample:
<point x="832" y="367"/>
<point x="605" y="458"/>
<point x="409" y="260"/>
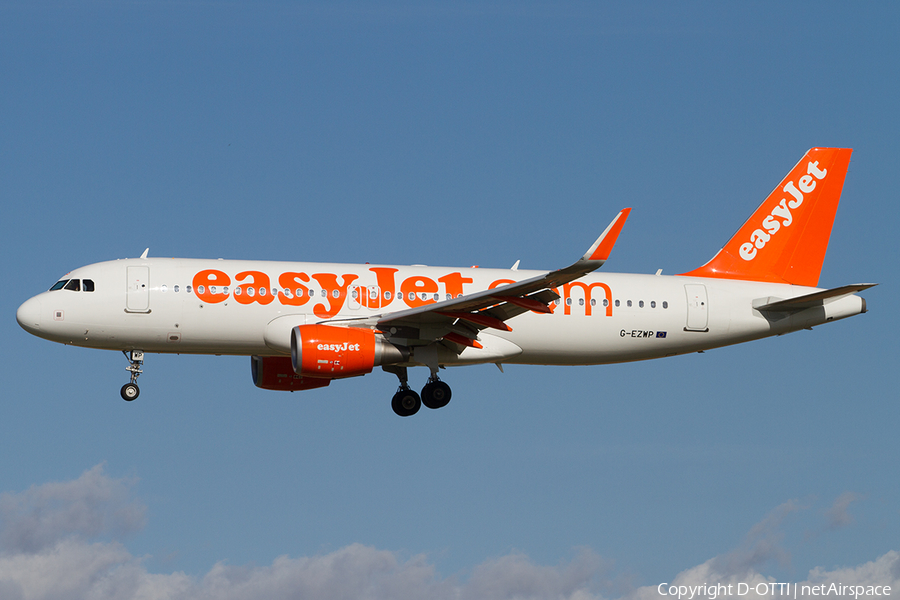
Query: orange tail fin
<point x="786" y="238"/>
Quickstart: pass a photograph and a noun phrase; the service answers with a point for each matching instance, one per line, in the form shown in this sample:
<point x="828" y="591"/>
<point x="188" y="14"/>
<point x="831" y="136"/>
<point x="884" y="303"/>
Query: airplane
<point x="305" y="325"/>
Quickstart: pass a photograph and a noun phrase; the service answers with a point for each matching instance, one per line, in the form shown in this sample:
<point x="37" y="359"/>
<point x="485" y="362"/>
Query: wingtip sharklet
<point x="601" y="249"/>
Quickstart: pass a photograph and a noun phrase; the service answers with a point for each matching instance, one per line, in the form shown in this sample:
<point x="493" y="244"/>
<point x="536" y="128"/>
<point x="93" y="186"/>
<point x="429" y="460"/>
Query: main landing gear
<point x="436" y="393"/>
<point x="406" y="402"/>
<point x="130" y="390"/>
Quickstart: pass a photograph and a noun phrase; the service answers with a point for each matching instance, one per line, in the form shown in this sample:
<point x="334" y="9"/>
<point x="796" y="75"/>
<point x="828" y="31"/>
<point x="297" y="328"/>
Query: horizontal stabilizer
<point x="809" y="300"/>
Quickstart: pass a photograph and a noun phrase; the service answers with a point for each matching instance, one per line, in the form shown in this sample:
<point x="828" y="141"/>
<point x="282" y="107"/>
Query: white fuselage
<point x="207" y="307"/>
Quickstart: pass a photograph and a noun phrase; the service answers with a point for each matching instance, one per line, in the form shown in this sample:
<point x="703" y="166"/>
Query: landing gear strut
<point x="436" y="393"/>
<point x="130" y="390"/>
<point x="405" y="402"/>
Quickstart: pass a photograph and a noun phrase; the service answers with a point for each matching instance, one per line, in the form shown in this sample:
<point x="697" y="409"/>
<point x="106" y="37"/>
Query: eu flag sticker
<point x="660" y="334"/>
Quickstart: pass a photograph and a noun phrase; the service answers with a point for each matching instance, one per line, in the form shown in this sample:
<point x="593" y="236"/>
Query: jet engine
<point x="277" y="373"/>
<point x="336" y="352"/>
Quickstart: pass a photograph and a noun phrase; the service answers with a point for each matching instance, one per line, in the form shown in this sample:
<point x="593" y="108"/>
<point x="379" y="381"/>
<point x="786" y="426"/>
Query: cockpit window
<point x="75" y="285"/>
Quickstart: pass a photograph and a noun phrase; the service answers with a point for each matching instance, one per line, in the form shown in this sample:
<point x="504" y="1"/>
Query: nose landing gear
<point x="130" y="390"/>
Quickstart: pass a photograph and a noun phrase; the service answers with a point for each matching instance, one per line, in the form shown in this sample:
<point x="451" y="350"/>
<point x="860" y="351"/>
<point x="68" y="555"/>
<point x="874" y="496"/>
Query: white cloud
<point x="515" y="576"/>
<point x="77" y="570"/>
<point x="88" y="507"/>
<point x="49" y="551"/>
<point x="885" y="570"/>
<point x="762" y="544"/>
<point x="837" y="515"/>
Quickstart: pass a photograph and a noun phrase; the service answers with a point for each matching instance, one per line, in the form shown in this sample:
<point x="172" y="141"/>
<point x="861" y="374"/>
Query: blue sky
<point x="445" y="134"/>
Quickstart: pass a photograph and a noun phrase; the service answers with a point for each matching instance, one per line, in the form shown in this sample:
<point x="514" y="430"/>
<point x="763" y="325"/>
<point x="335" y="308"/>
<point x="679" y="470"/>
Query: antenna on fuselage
<point x="144" y="255"/>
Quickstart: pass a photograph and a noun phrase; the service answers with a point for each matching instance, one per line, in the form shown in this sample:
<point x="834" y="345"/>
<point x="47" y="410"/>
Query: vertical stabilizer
<point x="786" y="238"/>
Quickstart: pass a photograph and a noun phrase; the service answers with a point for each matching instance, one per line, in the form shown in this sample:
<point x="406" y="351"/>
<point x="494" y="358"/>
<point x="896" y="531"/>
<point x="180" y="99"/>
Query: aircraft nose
<point x="29" y="315"/>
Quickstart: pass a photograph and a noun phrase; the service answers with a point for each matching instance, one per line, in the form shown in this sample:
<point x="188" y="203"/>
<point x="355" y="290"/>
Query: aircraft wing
<point x="460" y="319"/>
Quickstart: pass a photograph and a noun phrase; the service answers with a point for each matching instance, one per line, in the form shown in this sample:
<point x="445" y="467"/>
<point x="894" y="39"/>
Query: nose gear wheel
<point x="130" y="390"/>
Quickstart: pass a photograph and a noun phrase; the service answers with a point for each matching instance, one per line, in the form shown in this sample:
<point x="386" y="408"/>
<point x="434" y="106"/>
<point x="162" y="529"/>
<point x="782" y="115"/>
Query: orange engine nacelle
<point x="336" y="352"/>
<point x="277" y="373"/>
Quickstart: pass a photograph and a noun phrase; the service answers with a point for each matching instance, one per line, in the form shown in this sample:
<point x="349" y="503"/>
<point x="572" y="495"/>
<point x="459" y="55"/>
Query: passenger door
<point x="697" y="307"/>
<point x="137" y="292"/>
